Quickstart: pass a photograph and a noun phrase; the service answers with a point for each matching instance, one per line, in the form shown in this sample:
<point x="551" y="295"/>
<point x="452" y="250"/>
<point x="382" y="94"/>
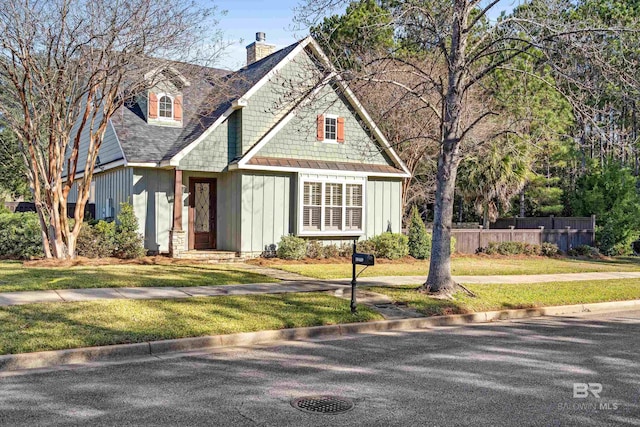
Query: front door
<point x="202" y="213"/>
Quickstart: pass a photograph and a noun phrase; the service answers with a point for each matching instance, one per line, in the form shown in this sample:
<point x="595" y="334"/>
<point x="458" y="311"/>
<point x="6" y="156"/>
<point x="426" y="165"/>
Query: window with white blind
<point x="353" y="217"/>
<point x="312" y="206"/>
<point x="332" y="207"/>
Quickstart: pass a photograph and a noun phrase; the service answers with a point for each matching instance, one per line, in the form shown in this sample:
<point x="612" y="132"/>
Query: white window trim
<point x="173" y="109"/>
<point x="344" y="180"/>
<point x="329" y="140"/>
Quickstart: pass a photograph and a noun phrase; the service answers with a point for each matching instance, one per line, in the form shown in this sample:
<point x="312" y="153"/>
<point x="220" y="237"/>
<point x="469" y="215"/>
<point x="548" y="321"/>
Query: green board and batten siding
<point x="114" y="184"/>
<point x="228" y="212"/>
<point x="266" y="210"/>
<point x="153" y="205"/>
<point x="383" y="206"/>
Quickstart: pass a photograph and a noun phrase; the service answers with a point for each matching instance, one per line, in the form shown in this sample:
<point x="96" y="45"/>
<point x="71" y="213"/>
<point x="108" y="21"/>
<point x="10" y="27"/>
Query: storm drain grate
<point x="323" y="404"/>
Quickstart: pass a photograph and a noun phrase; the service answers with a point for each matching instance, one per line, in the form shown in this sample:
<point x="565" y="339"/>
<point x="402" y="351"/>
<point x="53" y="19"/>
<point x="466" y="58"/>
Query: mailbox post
<point x="358" y="259"/>
<point x="353" y="279"/>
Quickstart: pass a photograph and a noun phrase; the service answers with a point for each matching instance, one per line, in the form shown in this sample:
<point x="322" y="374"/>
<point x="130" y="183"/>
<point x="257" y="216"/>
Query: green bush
<point x="291" y="247"/>
<point x="330" y="251"/>
<point x="612" y="242"/>
<point x="530" y="249"/>
<point x="129" y="243"/>
<point x="345" y="250"/>
<point x="97" y="241"/>
<point x="549" y="249"/>
<point x="512" y="248"/>
<point x="314" y="249"/>
<point x="610" y="192"/>
<point x="20" y="236"/>
<point x="391" y="245"/>
<point x="365" y="246"/>
<point x="584" y="250"/>
<point x="419" y="239"/>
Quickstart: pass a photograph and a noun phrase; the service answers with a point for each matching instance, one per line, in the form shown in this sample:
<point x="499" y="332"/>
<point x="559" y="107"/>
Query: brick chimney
<point x="259" y="49"/>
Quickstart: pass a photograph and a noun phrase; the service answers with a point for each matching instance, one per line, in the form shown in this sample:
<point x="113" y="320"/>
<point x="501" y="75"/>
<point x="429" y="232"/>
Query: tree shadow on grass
<point x="54" y="326"/>
<point x="30" y="279"/>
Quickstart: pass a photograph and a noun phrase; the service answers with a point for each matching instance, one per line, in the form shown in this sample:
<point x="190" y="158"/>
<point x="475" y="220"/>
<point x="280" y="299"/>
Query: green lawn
<point x="469" y="266"/>
<point x="16" y="277"/>
<point x="512" y="296"/>
<point x="56" y="326"/>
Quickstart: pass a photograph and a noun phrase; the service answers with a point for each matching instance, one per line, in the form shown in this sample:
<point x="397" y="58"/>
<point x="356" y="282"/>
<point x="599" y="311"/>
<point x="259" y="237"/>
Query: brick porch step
<point x="212" y="256"/>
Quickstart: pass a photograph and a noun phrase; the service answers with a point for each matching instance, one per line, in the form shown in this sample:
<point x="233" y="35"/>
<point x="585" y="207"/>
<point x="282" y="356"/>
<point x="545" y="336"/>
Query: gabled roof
<point x="402" y="170"/>
<point x="206" y="100"/>
<point x="209" y="100"/>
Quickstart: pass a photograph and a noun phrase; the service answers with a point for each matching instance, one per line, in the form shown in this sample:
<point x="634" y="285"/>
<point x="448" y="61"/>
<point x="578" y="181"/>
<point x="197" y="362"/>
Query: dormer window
<point x="165" y="107"/>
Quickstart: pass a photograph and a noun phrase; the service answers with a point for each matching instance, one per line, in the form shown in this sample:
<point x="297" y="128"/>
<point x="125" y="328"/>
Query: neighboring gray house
<point x="279" y="157"/>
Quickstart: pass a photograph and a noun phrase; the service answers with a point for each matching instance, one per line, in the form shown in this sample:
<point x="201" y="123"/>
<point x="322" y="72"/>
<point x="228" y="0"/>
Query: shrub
<point x="530" y="249"/>
<point x="610" y="193"/>
<point x="291" y="247"/>
<point x="330" y="251"/>
<point x="549" y="249"/>
<point x="97" y="241"/>
<point x="512" y="248"/>
<point x="345" y="250"/>
<point x="365" y="246"/>
<point x="391" y="245"/>
<point x="314" y="249"/>
<point x="129" y="243"/>
<point x="584" y="250"/>
<point x="419" y="239"/>
<point x="20" y="236"/>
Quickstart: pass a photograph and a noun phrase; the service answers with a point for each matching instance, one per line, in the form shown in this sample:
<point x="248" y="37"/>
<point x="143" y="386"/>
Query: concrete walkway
<point x="340" y="287"/>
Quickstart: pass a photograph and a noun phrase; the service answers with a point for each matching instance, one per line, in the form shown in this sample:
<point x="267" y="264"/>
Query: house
<point x="237" y="172"/>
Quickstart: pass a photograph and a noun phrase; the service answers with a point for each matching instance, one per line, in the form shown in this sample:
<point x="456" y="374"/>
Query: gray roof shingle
<point x="209" y="95"/>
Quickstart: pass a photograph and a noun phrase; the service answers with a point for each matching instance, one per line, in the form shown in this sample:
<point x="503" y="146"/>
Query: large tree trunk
<point x="439" y="279"/>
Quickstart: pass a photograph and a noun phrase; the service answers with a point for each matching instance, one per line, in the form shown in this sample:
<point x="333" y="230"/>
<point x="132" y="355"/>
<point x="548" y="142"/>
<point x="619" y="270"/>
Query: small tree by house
<point x="128" y="241"/>
<point x="419" y="242"/>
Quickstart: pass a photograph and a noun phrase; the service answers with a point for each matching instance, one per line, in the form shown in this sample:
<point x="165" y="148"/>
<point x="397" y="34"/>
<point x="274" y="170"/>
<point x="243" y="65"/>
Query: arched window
<point x="165" y="107"/>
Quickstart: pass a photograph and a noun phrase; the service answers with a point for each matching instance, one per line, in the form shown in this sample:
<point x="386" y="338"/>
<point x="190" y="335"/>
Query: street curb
<point x="47" y="359"/>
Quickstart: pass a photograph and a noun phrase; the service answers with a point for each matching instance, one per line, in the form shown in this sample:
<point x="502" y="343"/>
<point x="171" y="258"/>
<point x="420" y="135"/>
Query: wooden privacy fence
<point x="549" y="223"/>
<point x="469" y="241"/>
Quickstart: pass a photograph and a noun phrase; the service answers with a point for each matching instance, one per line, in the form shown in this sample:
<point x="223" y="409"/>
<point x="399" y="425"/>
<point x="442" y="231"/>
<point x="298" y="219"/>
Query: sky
<point x="244" y="18"/>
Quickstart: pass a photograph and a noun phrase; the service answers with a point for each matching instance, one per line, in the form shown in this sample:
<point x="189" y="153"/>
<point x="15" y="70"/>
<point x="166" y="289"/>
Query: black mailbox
<point x="364" y="259"/>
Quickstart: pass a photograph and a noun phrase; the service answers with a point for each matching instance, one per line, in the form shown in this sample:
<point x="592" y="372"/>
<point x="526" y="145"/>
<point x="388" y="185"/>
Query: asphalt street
<point x="518" y="373"/>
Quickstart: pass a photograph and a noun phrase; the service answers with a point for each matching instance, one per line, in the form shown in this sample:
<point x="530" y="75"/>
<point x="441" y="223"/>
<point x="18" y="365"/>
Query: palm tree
<point x="493" y="176"/>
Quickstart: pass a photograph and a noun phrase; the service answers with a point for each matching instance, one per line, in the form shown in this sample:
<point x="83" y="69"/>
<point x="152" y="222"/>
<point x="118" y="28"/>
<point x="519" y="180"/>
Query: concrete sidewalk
<point x="309" y="285"/>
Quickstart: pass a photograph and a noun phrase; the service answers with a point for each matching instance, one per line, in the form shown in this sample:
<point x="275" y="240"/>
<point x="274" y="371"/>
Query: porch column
<point x="177" y="201"/>
<point x="178" y="235"/>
